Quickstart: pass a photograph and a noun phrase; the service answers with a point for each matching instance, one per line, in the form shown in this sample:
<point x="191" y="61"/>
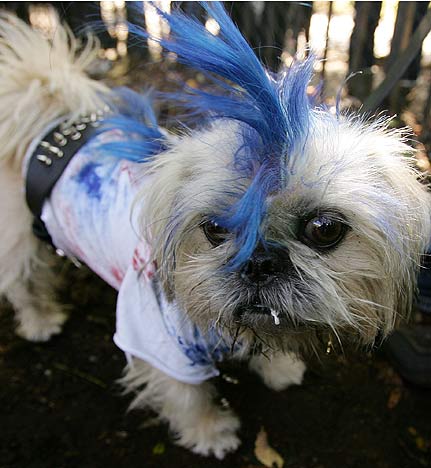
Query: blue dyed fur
<point x="135" y="116"/>
<point x="273" y="110"/>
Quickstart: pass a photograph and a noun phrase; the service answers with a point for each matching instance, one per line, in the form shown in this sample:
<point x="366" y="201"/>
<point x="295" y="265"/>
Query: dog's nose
<point x="265" y="265"/>
<point x="259" y="269"/>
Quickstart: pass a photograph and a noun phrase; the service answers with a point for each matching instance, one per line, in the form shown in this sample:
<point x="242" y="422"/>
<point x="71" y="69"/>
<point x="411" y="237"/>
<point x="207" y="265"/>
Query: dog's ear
<point x="158" y="210"/>
<point x="407" y="220"/>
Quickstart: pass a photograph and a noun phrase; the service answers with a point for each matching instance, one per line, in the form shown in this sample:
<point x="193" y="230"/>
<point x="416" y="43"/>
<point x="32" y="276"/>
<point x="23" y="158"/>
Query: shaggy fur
<point x="361" y="173"/>
<point x="40" y="81"/>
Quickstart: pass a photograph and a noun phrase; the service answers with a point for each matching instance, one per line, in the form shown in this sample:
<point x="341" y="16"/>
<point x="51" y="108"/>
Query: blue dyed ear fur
<point x="273" y="110"/>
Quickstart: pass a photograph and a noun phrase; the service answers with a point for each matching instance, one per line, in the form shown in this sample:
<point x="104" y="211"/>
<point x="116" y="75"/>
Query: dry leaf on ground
<point x="265" y="453"/>
<point x="394" y="397"/>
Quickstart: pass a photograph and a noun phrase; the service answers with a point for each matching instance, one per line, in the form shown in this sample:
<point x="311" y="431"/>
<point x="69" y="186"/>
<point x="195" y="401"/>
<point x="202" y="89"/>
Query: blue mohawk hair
<point x="273" y="110"/>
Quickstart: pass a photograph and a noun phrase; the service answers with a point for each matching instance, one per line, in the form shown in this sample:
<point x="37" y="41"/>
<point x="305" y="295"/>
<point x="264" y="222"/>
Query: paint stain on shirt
<point x="90" y="180"/>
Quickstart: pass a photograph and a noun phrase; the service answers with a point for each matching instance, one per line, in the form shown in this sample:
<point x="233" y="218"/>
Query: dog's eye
<point x="323" y="232"/>
<point x="214" y="233"/>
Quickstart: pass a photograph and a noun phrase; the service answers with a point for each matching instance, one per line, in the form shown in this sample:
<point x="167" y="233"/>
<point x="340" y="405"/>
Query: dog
<point x="270" y="225"/>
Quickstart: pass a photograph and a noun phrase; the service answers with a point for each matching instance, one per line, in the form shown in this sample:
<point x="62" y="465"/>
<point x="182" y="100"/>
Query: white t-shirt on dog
<point x="89" y="216"/>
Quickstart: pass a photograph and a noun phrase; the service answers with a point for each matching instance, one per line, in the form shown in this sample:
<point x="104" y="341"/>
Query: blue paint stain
<point x="91" y="181"/>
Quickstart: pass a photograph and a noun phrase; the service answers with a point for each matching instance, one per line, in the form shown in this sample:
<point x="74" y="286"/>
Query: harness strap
<point x="49" y="160"/>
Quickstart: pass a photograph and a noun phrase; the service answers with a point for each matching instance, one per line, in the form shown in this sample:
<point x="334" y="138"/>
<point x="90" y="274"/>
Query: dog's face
<point x="340" y="244"/>
<point x="281" y="218"/>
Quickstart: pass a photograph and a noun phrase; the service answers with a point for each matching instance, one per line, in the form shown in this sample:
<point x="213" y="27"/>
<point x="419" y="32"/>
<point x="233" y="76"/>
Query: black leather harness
<point x="50" y="158"/>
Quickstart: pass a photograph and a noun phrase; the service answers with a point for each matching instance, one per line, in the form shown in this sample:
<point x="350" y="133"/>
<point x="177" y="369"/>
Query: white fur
<point x="196" y="421"/>
<point x="279" y="371"/>
<point x="361" y="170"/>
<point x="40" y="80"/>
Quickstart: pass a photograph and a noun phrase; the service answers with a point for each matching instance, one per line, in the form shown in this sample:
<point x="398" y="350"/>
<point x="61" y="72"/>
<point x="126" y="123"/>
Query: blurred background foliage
<point x="376" y="55"/>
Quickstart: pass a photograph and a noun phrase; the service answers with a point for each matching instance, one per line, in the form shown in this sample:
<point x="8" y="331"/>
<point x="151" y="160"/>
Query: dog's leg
<point x="196" y="420"/>
<point x="38" y="314"/>
<point x="26" y="278"/>
<point x="279" y="370"/>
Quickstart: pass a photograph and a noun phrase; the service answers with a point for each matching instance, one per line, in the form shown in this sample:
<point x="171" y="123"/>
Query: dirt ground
<point x="60" y="406"/>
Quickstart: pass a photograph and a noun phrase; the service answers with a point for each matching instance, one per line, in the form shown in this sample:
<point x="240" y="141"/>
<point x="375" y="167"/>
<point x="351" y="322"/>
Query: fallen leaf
<point x="159" y="449"/>
<point x="390" y="377"/>
<point x="394" y="397"/>
<point x="265" y="453"/>
<point x="421" y="444"/>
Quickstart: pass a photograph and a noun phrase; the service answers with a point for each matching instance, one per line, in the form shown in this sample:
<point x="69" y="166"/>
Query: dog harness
<point x="47" y="161"/>
<point x="88" y="215"/>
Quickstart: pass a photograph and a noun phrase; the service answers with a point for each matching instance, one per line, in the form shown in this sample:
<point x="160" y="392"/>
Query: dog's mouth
<point x="257" y="309"/>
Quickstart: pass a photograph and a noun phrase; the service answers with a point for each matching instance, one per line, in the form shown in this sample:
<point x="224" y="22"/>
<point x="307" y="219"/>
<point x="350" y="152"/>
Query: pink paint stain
<point x="141" y="261"/>
<point x="118" y="275"/>
<point x="124" y="167"/>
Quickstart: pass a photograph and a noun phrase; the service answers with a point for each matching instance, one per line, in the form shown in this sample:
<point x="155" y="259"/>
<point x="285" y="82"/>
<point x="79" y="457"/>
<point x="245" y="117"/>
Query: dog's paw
<point x="39" y="328"/>
<point x="213" y="434"/>
<point x="280" y="371"/>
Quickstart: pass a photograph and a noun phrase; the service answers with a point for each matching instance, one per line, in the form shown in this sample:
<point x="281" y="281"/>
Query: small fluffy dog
<point x="271" y="225"/>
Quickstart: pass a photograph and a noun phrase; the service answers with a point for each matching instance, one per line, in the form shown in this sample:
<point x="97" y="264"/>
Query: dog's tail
<point x="40" y="80"/>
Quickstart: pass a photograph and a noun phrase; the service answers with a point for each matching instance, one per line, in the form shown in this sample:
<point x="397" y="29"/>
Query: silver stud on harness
<point x="44" y="159"/>
<point x="70" y="131"/>
<point x="60" y="139"/>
